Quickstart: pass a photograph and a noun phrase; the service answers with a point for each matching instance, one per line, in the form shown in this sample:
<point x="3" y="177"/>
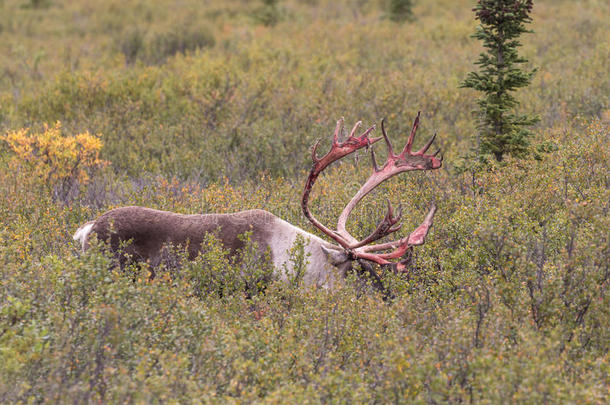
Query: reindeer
<point x="147" y="231"/>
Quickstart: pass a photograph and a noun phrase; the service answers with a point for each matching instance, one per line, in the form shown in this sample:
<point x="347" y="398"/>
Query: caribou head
<point x="148" y="231"/>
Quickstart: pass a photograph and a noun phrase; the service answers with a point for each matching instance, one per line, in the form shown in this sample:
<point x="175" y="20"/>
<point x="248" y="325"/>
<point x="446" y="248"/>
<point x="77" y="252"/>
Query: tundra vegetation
<point x="202" y="107"/>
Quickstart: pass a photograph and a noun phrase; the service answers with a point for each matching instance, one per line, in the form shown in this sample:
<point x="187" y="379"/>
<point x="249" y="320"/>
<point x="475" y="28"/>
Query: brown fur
<point x="148" y="230"/>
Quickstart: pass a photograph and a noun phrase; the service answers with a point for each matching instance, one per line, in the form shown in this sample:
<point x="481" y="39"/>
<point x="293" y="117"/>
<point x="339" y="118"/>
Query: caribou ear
<point x="335" y="256"/>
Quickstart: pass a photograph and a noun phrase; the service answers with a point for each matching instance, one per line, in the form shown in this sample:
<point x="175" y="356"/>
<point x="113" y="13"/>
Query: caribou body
<point x="147" y="231"/>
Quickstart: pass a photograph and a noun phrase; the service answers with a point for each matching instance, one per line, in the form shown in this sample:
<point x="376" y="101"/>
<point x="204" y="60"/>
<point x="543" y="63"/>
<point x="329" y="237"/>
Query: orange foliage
<point x="54" y="157"/>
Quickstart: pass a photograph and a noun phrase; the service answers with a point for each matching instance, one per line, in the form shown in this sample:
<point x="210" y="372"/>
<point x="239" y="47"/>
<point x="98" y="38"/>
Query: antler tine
<point x="338" y="130"/>
<point x="365" y="135"/>
<point x="387" y="140"/>
<point x="399" y="216"/>
<point x="415" y="238"/>
<point x="314" y="148"/>
<point x="427" y="145"/>
<point x="403" y="265"/>
<point x="393" y="220"/>
<point x="358" y="124"/>
<point x="375" y="167"/>
<point x="390" y="212"/>
<point x="418" y="236"/>
<point x="409" y="145"/>
<point x="386" y="227"/>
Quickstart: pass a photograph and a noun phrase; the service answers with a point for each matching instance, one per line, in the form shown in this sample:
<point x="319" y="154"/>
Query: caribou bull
<point x="147" y="231"/>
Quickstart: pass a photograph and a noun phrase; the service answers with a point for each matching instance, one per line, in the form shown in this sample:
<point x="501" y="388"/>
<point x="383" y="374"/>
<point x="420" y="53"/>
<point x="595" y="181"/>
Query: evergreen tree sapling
<point x="501" y="130"/>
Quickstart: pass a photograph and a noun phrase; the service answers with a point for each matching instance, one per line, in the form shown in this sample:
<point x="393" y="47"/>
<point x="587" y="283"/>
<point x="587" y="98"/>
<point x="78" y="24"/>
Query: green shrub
<point x="36" y="4"/>
<point x="131" y="44"/>
<point x="180" y="40"/>
<point x="268" y="14"/>
<point x="156" y="48"/>
<point x="214" y="273"/>
<point x="400" y="10"/>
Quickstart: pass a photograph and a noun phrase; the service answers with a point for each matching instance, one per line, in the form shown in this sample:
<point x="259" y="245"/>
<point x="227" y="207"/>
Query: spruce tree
<point x="501" y="130"/>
